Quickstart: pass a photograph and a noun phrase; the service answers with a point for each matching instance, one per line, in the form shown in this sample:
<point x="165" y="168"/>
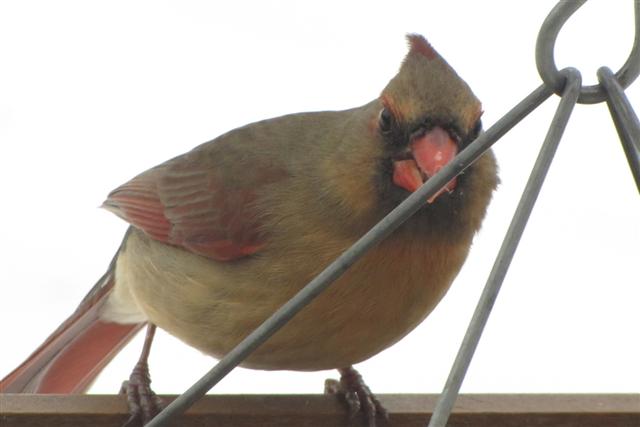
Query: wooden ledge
<point x="471" y="410"/>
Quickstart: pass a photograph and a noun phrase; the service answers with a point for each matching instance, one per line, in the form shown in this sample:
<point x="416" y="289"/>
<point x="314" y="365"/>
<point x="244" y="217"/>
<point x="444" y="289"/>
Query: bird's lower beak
<point x="430" y="152"/>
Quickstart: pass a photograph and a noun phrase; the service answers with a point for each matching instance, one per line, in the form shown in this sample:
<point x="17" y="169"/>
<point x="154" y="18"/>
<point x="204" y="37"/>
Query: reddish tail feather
<point x="74" y="354"/>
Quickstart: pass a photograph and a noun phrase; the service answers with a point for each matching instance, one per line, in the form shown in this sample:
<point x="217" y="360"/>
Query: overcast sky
<point x="92" y="93"/>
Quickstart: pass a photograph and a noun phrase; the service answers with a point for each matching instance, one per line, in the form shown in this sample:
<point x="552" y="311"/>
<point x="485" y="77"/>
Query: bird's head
<point x="427" y="114"/>
<point x="423" y="118"/>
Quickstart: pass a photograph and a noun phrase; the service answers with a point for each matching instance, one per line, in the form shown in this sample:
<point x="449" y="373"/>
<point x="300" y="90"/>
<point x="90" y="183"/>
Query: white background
<point x="92" y="93"/>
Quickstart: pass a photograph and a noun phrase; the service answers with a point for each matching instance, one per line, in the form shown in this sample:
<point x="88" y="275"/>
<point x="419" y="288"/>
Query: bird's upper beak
<point x="429" y="153"/>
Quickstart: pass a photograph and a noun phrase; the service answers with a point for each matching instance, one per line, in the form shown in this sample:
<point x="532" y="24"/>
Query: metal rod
<point x="381" y="230"/>
<point x="505" y="255"/>
<point x="545" y="45"/>
<point x="624" y="118"/>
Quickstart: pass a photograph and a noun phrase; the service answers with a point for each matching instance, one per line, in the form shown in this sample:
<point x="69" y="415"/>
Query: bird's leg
<point x="357" y="395"/>
<point x="143" y="403"/>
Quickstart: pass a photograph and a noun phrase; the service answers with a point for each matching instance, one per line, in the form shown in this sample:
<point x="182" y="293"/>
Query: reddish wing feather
<point x="186" y="203"/>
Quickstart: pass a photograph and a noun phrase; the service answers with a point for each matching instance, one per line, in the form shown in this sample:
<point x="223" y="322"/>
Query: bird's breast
<point x="212" y="306"/>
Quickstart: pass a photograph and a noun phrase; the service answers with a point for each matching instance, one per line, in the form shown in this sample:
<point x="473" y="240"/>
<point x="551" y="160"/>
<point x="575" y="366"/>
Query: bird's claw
<point x="357" y="395"/>
<point x="143" y="402"/>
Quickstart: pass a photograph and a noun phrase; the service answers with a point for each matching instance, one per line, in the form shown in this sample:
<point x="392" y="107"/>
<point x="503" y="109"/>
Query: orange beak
<point x="431" y="152"/>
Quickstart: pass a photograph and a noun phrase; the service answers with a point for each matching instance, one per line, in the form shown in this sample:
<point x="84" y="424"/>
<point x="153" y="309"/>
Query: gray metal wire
<point x="568" y="84"/>
<point x="624" y="118"/>
<point x="507" y="250"/>
<point x="546" y="42"/>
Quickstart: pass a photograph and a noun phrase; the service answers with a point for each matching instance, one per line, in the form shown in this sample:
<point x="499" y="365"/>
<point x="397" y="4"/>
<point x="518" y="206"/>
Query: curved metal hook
<point x="545" y="47"/>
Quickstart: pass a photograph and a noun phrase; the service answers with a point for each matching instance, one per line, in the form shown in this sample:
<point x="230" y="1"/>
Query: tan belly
<point x="212" y="306"/>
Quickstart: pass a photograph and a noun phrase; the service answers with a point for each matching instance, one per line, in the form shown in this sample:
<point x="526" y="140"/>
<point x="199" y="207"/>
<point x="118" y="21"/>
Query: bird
<point x="223" y="235"/>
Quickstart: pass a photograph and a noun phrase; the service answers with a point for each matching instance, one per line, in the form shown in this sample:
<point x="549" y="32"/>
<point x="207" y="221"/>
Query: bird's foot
<point x="143" y="403"/>
<point x="358" y="397"/>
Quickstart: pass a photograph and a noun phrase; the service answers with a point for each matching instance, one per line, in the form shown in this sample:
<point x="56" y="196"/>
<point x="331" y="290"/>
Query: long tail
<point x="75" y="353"/>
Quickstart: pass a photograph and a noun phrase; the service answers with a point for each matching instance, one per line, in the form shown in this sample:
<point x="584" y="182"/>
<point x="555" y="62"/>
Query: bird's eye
<point x="477" y="128"/>
<point x="384" y="121"/>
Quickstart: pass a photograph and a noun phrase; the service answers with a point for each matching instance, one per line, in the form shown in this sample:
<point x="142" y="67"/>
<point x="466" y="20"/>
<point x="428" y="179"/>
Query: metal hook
<point x="545" y="47"/>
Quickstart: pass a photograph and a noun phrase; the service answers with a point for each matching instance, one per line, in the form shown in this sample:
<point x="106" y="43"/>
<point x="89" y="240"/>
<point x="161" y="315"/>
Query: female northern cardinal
<point x="223" y="235"/>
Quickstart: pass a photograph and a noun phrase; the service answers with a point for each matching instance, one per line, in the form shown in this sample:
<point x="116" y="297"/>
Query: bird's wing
<point x="192" y="201"/>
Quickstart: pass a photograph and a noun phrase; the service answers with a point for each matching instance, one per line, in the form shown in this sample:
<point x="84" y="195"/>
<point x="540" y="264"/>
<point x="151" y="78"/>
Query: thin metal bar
<point x="507" y="250"/>
<point x="624" y="118"/>
<point x="545" y="45"/>
<point x="381" y="230"/>
<point x="546" y="42"/>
